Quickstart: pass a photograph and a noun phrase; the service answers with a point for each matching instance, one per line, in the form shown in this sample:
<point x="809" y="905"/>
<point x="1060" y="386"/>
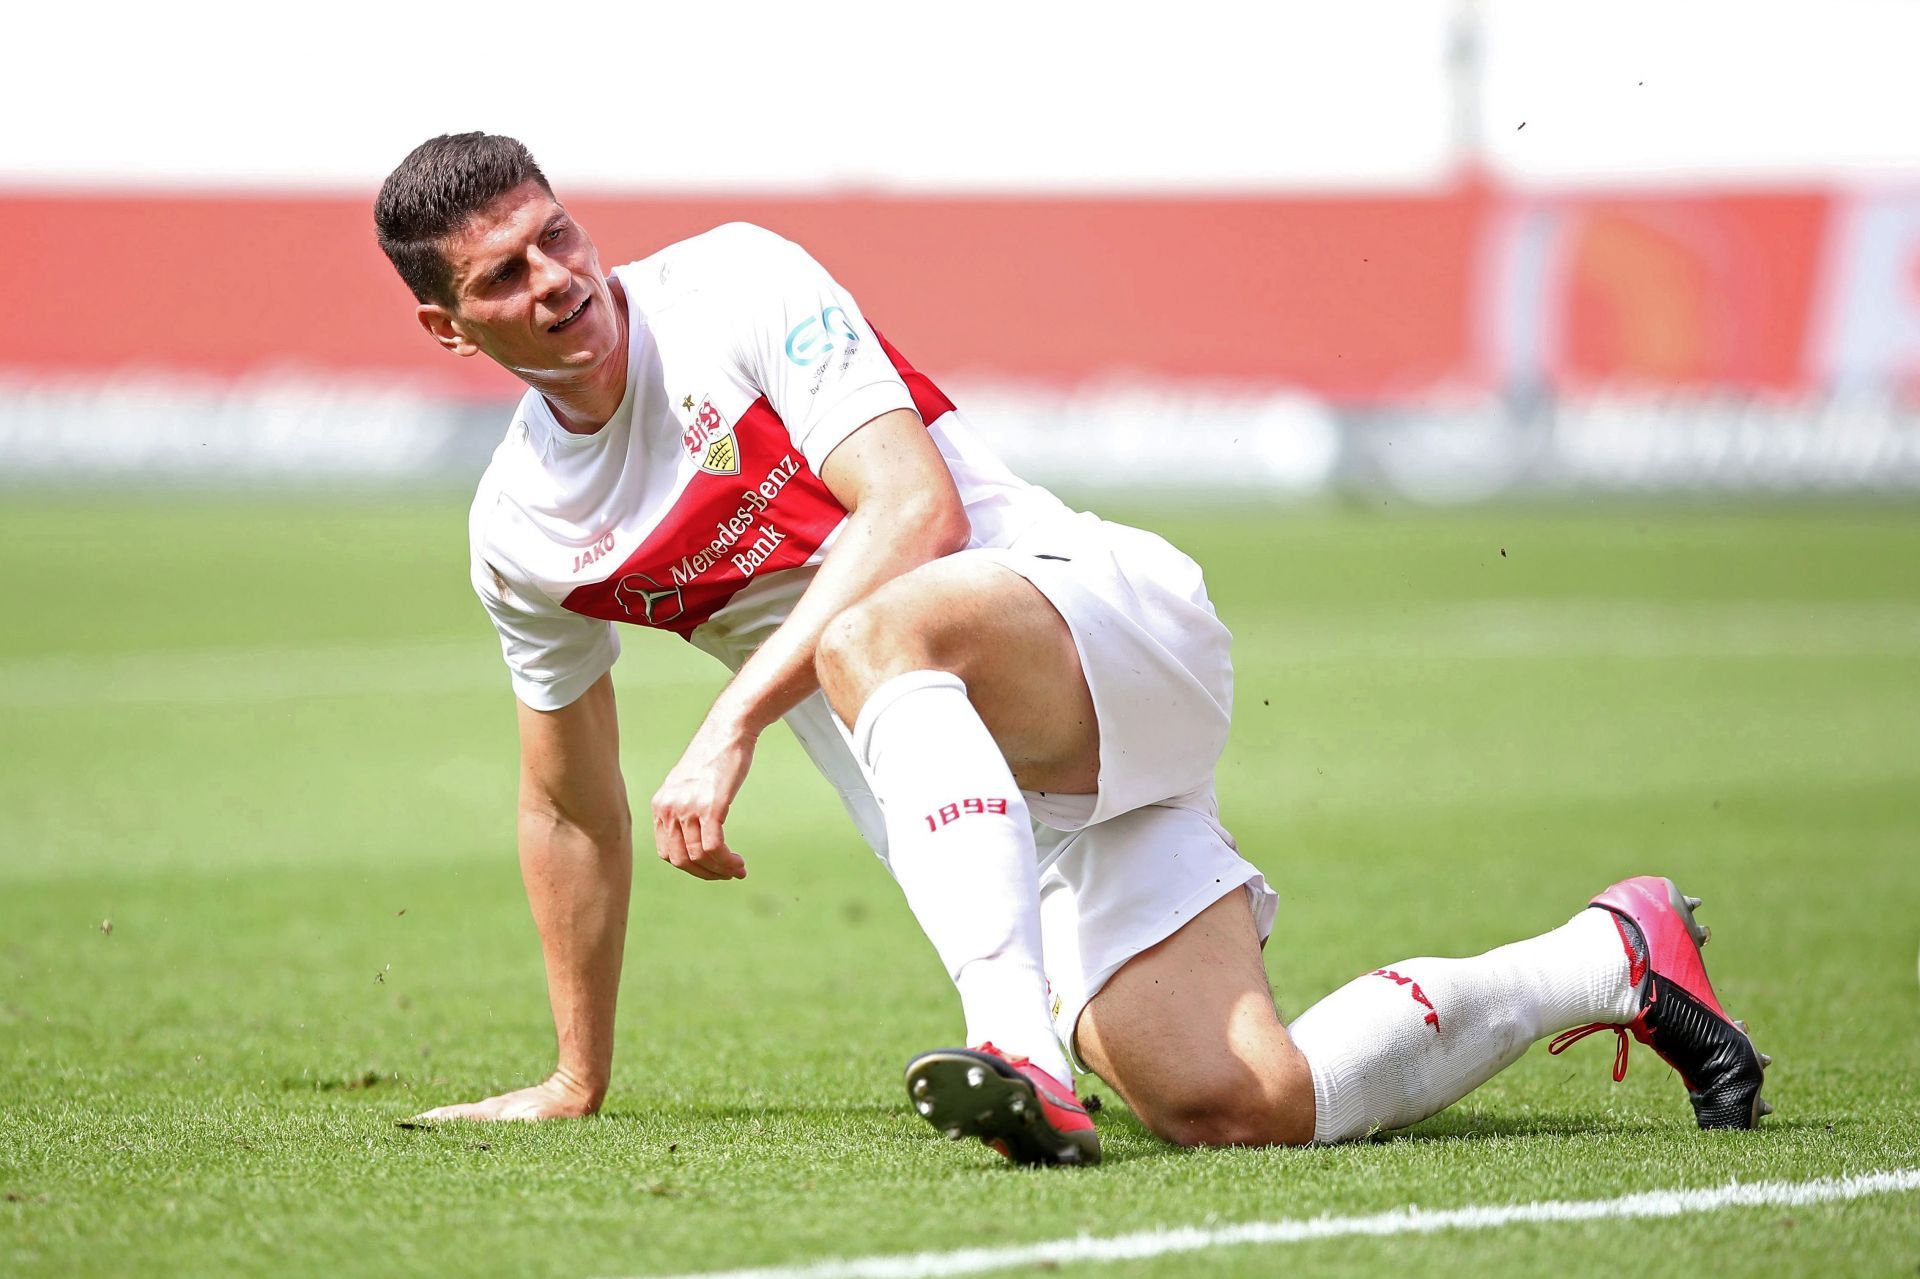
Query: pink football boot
<point x="1680" y="1018"/>
<point x="1008" y="1102"/>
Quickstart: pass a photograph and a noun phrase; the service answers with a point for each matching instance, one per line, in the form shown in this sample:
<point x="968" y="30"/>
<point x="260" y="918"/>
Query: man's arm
<point x="576" y="858"/>
<point x="576" y="852"/>
<point x="903" y="511"/>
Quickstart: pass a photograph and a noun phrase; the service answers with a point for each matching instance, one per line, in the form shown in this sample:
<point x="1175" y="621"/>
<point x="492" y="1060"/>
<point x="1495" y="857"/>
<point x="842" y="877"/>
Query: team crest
<point x="709" y="441"/>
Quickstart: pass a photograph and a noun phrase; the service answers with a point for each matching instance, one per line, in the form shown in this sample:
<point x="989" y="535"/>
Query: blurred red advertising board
<point x="1354" y="298"/>
<point x="1686" y="291"/>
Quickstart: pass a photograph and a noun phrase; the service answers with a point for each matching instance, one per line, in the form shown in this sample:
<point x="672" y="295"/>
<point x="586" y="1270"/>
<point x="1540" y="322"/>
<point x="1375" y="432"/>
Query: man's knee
<point x="1234" y="1110"/>
<point x="865" y="646"/>
<point x="840" y="660"/>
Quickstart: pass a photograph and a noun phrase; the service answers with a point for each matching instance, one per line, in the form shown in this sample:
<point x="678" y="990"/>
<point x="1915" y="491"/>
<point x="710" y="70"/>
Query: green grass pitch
<point x="258" y="900"/>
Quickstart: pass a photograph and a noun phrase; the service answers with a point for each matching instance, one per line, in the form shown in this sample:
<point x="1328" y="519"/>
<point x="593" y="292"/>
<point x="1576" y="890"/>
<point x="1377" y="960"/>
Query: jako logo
<point x="817" y="336"/>
<point x="1419" y="996"/>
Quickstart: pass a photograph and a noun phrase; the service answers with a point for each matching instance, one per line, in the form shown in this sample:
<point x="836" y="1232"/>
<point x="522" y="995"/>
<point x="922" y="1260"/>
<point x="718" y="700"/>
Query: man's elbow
<point x="946" y="528"/>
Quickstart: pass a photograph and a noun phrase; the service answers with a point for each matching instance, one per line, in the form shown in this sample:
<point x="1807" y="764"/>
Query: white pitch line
<point x="1401" y="1221"/>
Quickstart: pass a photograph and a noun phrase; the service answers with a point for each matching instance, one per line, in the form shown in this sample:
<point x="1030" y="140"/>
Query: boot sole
<point x="964" y="1095"/>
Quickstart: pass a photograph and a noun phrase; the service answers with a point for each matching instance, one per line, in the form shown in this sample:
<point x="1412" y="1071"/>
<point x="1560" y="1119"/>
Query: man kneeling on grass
<point x="1019" y="704"/>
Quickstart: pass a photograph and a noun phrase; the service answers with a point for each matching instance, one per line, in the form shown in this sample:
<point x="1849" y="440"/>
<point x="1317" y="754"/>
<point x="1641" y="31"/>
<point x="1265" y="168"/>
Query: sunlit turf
<point x="258" y="900"/>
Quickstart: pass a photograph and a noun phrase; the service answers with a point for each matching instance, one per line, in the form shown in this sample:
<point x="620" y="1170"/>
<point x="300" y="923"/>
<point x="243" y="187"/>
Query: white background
<point x="809" y="95"/>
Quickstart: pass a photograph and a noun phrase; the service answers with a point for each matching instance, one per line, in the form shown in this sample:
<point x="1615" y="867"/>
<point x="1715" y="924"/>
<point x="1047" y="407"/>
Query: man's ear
<point x="443" y="328"/>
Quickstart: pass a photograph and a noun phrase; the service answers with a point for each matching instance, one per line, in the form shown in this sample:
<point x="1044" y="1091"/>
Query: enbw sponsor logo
<point x="818" y="336"/>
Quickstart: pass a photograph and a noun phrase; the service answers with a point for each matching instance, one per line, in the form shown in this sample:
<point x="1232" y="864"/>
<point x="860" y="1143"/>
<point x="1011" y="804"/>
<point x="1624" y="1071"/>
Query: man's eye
<point x="556" y="232"/>
<point x="503" y="273"/>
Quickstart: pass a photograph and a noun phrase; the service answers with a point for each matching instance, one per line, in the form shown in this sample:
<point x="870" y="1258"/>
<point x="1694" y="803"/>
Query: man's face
<point x="528" y="290"/>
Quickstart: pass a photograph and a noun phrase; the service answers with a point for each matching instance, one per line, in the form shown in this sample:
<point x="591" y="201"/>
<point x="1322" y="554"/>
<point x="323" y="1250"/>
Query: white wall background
<point x="1657" y="90"/>
<point x="801" y="95"/>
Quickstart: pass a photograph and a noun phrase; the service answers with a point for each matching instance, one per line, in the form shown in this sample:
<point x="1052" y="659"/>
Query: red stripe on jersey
<point x="723" y="532"/>
<point x="927" y="397"/>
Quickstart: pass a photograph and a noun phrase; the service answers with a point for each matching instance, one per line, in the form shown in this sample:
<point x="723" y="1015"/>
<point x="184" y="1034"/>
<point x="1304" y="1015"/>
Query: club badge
<point x="709" y="440"/>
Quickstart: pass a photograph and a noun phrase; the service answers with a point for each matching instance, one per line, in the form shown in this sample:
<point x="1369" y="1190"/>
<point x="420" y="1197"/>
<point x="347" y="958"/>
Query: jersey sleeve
<point x="552" y="655"/>
<point x="809" y="350"/>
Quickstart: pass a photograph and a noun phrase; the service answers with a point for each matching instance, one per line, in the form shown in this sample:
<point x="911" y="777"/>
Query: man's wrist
<point x="579" y="1085"/>
<point x="731" y="720"/>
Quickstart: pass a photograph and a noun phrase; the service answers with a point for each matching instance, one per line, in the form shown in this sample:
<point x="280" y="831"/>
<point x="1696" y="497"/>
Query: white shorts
<point x="1125" y="868"/>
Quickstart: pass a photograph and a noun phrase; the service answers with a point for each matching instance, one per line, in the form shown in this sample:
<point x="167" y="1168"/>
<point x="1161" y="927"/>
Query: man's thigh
<point x="996" y="631"/>
<point x="1188" y="1035"/>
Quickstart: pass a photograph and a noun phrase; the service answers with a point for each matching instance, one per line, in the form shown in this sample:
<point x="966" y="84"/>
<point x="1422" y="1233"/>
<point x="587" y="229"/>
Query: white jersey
<point x="698" y="507"/>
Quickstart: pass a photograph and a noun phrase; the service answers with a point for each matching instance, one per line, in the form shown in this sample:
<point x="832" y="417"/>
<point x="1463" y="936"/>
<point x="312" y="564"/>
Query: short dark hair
<point x="443" y="182"/>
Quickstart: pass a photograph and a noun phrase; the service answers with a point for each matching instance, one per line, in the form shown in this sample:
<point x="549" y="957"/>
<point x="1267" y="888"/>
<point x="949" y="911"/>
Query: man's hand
<point x="690" y="808"/>
<point x="561" y="1096"/>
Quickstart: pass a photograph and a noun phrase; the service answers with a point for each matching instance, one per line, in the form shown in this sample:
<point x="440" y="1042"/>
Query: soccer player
<point x="1019" y="705"/>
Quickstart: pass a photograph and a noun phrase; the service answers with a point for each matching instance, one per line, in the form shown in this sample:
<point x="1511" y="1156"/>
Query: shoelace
<point x="1070" y="1102"/>
<point x="1015" y="1062"/>
<point x="1568" y="1038"/>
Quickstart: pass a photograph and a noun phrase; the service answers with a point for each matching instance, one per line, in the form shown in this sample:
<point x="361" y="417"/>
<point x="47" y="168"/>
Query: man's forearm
<point x="577" y="885"/>
<point x="903" y="511"/>
<point x="874" y="547"/>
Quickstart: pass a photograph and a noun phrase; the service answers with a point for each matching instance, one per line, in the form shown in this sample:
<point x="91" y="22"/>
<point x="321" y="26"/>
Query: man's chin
<point x="560" y="363"/>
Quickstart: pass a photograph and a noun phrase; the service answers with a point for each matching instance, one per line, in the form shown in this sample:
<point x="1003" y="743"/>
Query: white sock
<point x="961" y="846"/>
<point x="1405" y="1042"/>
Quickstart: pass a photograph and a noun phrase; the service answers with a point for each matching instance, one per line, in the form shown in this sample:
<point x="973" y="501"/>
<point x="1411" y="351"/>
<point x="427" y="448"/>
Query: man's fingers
<point x="697" y="859"/>
<point x="713" y="844"/>
<point x="714" y="852"/>
<point x="711" y="850"/>
<point x="695" y="842"/>
<point x="680" y="848"/>
<point x="667" y="841"/>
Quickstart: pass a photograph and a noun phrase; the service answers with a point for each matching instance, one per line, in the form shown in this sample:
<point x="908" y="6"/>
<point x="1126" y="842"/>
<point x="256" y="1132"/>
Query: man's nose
<point x="549" y="277"/>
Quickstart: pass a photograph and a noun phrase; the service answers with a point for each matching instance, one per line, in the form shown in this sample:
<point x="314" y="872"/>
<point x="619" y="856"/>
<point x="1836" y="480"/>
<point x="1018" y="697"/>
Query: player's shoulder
<point x="734" y="253"/>
<point x="731" y="239"/>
